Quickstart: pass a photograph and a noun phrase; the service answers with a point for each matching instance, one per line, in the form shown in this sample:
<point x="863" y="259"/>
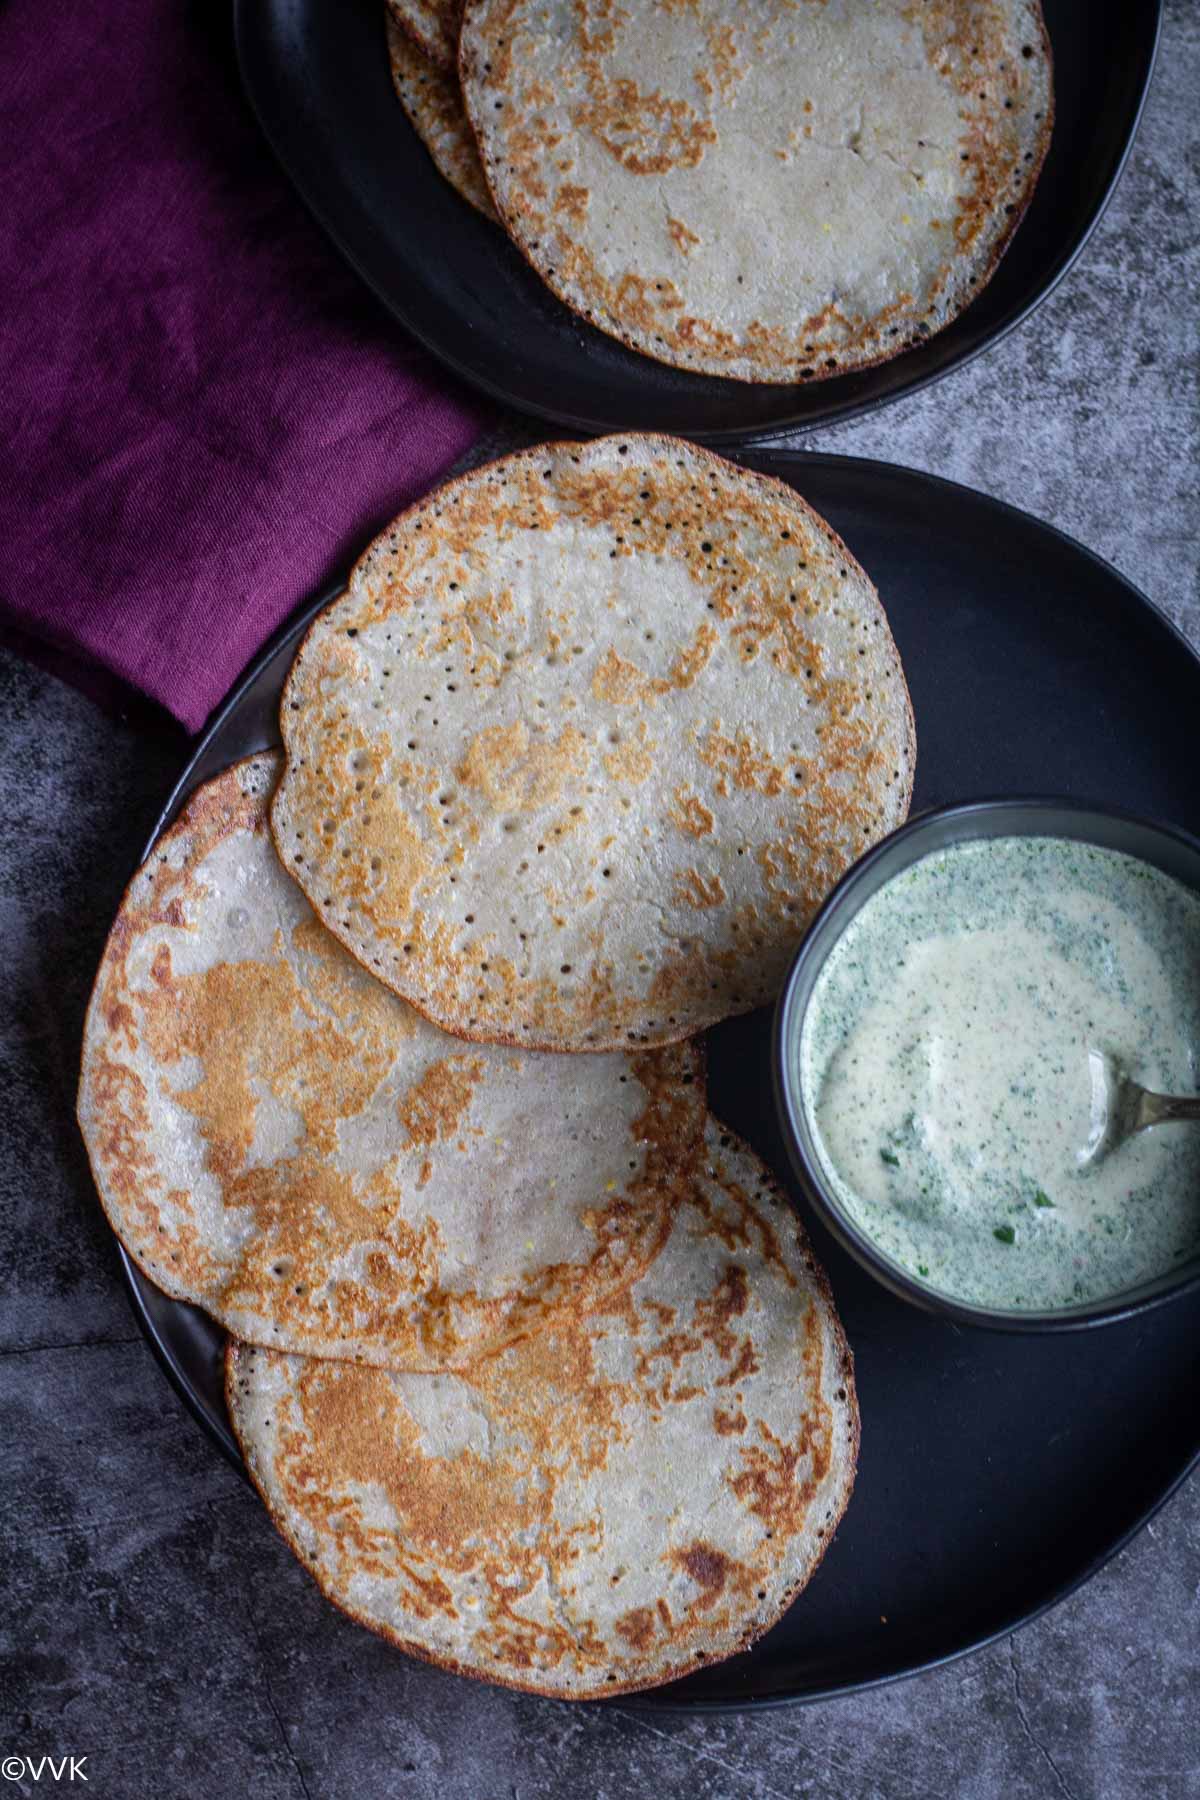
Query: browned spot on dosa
<point x="683" y="237"/>
<point x="636" y="1627"/>
<point x="518" y="772"/>
<point x="708" y="1567"/>
<point x="434" y="1107"/>
<point x="697" y="890"/>
<point x="690" y="814"/>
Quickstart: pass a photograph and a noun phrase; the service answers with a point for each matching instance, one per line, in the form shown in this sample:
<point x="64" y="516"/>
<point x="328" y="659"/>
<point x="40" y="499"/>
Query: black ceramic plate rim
<point x="787" y="465"/>
<point x="1127" y="1303"/>
<point x="806" y="419"/>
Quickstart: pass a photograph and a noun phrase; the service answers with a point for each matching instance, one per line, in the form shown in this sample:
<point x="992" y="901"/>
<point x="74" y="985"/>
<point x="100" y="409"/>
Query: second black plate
<point x="317" y="75"/>
<point x="996" y="1471"/>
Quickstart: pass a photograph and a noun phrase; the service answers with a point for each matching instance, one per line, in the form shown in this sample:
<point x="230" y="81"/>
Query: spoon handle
<point x="1160" y="1109"/>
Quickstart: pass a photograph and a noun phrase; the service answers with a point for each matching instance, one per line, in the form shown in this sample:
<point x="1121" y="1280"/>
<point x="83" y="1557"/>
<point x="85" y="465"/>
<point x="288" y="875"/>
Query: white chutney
<point x="944" y="1070"/>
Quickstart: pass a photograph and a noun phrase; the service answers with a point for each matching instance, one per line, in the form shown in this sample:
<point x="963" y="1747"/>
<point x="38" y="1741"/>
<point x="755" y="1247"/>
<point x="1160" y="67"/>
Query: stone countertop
<point x="153" y="1621"/>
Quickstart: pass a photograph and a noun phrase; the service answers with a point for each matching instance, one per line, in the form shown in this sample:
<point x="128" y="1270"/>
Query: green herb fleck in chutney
<point x="943" y="1066"/>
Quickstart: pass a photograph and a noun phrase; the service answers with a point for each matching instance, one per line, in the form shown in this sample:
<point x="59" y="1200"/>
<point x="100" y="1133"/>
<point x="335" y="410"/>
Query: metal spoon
<point x="1121" y="1107"/>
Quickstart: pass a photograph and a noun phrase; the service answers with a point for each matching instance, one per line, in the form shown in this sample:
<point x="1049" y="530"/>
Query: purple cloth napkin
<point x="202" y="414"/>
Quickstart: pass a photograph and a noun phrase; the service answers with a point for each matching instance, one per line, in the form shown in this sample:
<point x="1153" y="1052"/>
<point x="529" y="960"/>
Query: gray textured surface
<point x="152" y="1621"/>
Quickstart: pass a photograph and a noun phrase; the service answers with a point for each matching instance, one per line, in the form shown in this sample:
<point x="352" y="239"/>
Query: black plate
<point x="996" y="1471"/>
<point x="317" y="76"/>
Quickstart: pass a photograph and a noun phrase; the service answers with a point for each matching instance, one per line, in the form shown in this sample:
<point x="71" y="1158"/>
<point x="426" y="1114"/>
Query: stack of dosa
<point x="535" y="1370"/>
<point x="769" y="191"/>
